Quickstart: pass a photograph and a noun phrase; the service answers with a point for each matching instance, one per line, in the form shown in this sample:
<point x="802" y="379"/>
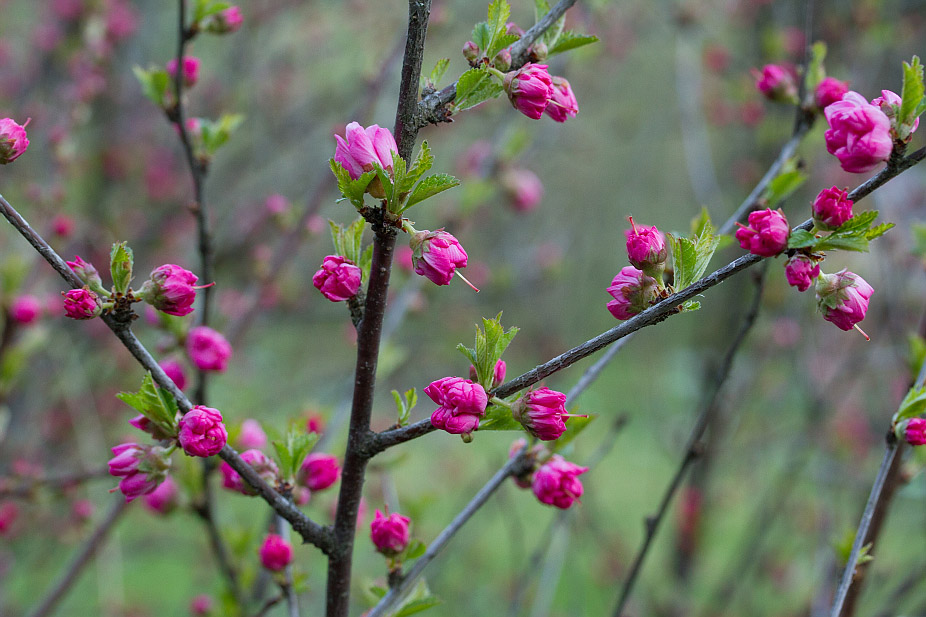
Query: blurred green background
<point x="669" y="122"/>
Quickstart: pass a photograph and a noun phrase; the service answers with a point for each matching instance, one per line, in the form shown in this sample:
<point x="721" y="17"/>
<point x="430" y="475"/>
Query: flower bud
<point x="915" y="432"/>
<point x="801" y="271"/>
<point x="251" y="435"/>
<point x="13" y="140"/>
<point x="436" y="255"/>
<point x="556" y="483"/>
<point x="542" y="412"/>
<point x="776" y="82"/>
<point x="190" y="70"/>
<point x="25" y="309"/>
<point x="389" y="533"/>
<point x="502" y="60"/>
<point x="363" y="147"/>
<point x="265" y="467"/>
<point x="461" y="404"/>
<point x="201" y="605"/>
<point x="538" y="52"/>
<point x="174" y="370"/>
<point x="767" y="233"/>
<point x="513" y="28"/>
<point x="523" y="480"/>
<point x="523" y="187"/>
<point x="563" y="103"/>
<point x="275" y="553"/>
<point x="147" y="426"/>
<point x="170" y="290"/>
<point x="142" y="468"/>
<point x="889" y="102"/>
<point x="338" y="279"/>
<point x="859" y="134"/>
<point x="208" y="349"/>
<point x="529" y="89"/>
<point x="829" y="91"/>
<point x="319" y="471"/>
<point x="81" y="304"/>
<point x="843" y="298"/>
<point x="646" y="246"/>
<point x="164" y="499"/>
<point x="223" y="22"/>
<point x="831" y="208"/>
<point x="471" y="52"/>
<point x="633" y="291"/>
<point x="202" y="432"/>
<point x="86" y="273"/>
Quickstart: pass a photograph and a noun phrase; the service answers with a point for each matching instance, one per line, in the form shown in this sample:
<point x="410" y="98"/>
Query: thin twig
<point x="80" y="560"/>
<point x="692" y="447"/>
<point x="206" y="512"/>
<point x="292" y="602"/>
<point x="26" y="488"/>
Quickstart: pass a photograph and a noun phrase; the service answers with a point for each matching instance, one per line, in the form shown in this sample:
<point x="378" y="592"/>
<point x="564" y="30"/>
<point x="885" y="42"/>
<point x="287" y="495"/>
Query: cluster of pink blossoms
<point x="142" y="468"/>
<point x="534" y="92"/>
<point x="637" y="286"/>
<point x="461" y="403"/>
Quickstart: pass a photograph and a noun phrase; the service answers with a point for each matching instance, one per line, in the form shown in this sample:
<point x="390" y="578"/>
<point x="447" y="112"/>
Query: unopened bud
<point x="502" y="60"/>
<point x="471" y="52"/>
<point x="538" y="52"/>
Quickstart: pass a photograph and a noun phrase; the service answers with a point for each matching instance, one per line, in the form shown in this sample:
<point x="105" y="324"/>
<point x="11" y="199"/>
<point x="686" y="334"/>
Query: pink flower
<point x="915" y="432"/>
<point x="338" y="279"/>
<point x="889" y="102"/>
<point x="62" y="225"/>
<point x="209" y="351"/>
<point x="170" y="290"/>
<point x="9" y="512"/>
<point x="436" y="255"/>
<point x="498" y="374"/>
<point x="85" y="272"/>
<point x="224" y="22"/>
<point x="542" y="412"/>
<point x="265" y="467"/>
<point x="524" y="188"/>
<point x="202" y="432"/>
<point x="142" y="468"/>
<point x="389" y="533"/>
<point x="556" y="483"/>
<point x="276" y="204"/>
<point x="251" y="435"/>
<point x="147" y="426"/>
<point x="164" y="499"/>
<point x="832" y="208"/>
<point x="25" y="309"/>
<point x="315" y="424"/>
<point x="633" y="291"/>
<point x="82" y="509"/>
<point x="13" y="140"/>
<point x="403" y="258"/>
<point x="275" y="553"/>
<point x="461" y="404"/>
<point x="201" y="605"/>
<point x="776" y="82"/>
<point x="190" y="70"/>
<point x="843" y="298"/>
<point x="174" y="370"/>
<point x="530" y="89"/>
<point x="829" y="91"/>
<point x="859" y="134"/>
<point x="364" y="147"/>
<point x="319" y="471"/>
<point x="767" y="233"/>
<point x="646" y="246"/>
<point x="563" y="103"/>
<point x="81" y="304"/>
<point x="801" y="271"/>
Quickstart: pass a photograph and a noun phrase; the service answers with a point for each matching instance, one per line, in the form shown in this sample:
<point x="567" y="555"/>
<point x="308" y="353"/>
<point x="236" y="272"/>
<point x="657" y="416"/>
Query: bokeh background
<point x="670" y="122"/>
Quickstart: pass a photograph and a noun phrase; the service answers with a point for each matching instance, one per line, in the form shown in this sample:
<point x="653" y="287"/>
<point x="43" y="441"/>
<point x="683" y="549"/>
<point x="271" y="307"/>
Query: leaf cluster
<point x="491" y="342"/>
<point x="155" y="404"/>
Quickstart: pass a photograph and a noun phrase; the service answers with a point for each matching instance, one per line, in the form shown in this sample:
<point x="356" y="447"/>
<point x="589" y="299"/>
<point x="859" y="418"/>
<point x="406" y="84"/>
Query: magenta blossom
<point x="389" y="533"/>
<point x="632" y="291"/>
<point x="86" y="272"/>
<point x="147" y="426"/>
<point x="190" y="70"/>
<point x="201" y="605"/>
<point x="224" y="22"/>
<point x="170" y="290"/>
<point x="436" y="255"/>
<point x="776" y="82"/>
<point x="13" y="140"/>
<point x="646" y="246"/>
<point x="338" y="279"/>
<point x="889" y="102"/>
<point x="829" y="91"/>
<point x="556" y="483"/>
<point x="364" y="147"/>
<point x="831" y="208"/>
<point x="25" y="309"/>
<point x="542" y="412"/>
<point x="767" y="233"/>
<point x="461" y="404"/>
<point x="142" y="468"/>
<point x="801" y="271"/>
<point x="81" y="304"/>
<point x="208" y="349"/>
<point x="251" y="435"/>
<point x="174" y="370"/>
<point x="843" y="298"/>
<point x="319" y="471"/>
<point x="498" y="374"/>
<point x="915" y="432"/>
<point x="563" y="103"/>
<point x="275" y="553"/>
<point x="265" y="467"/>
<point x="530" y="89"/>
<point x="523" y="187"/>
<point x="202" y="432"/>
<point x="164" y="499"/>
<point x="859" y="134"/>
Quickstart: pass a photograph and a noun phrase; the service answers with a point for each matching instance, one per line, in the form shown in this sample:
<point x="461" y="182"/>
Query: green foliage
<point x="574" y="426"/>
<point x="491" y="342"/>
<point x="801" y="239"/>
<point x="499" y="12"/>
<point x="548" y="38"/>
<point x="352" y="190"/>
<point x="571" y="40"/>
<point x="420" y="599"/>
<point x="475" y="86"/>
<point x="216" y="133"/>
<point x="430" y="186"/>
<point x="404" y="405"/>
<point x="154" y="83"/>
<point x="786" y="182"/>
<point x="853" y="235"/>
<point x="348" y="243"/>
<point x="120" y="266"/>
<point x="153" y="403"/>
<point x="437" y="73"/>
<point x="420" y="165"/>
<point x="916" y="353"/>
<point x="690" y="256"/>
<point x="912" y="405"/>
<point x="815" y="71"/>
<point x="293" y="449"/>
<point x="205" y="8"/>
<point x="499" y="418"/>
<point x="912" y="104"/>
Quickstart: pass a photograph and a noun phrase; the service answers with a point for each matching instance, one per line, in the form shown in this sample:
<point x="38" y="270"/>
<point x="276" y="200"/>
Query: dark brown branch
<point x="80" y="560"/>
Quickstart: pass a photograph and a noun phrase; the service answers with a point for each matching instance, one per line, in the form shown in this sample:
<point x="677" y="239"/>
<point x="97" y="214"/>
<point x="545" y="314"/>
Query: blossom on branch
<point x="530" y="89"/>
<point x="859" y="134"/>
<point x="767" y="233"/>
<point x="338" y="279"/>
<point x="542" y="412"/>
<point x="563" y="103"/>
<point x="633" y="291"/>
<point x="843" y="298"/>
<point x="142" y="468"/>
<point x="389" y="533"/>
<point x="202" y="432"/>
<point x="275" y="553"/>
<point x="208" y="349"/>
<point x="319" y="471"/>
<point x="436" y="255"/>
<point x="557" y="483"/>
<point x="170" y="290"/>
<point x="265" y="467"/>
<point x="81" y="304"/>
<point x="831" y="208"/>
<point x="13" y="140"/>
<point x="801" y="271"/>
<point x="461" y="404"/>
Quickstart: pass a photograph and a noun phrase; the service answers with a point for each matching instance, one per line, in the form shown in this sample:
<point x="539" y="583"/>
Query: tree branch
<point x="26" y="488"/>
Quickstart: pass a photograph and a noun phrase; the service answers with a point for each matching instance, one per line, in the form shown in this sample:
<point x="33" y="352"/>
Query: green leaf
<point x="348" y="241"/>
<point x="499" y="418"/>
<point x="205" y="8"/>
<point x="417" y="606"/>
<point x="499" y="11"/>
<point x="120" y="266"/>
<point x="853" y="234"/>
<point x="416" y="548"/>
<point x="475" y="86"/>
<point x="548" y="38"/>
<point x="801" y="239"/>
<point x="785" y="183"/>
<point x="491" y="342"/>
<point x="353" y="190"/>
<point x="571" y="40"/>
<point x="916" y="353"/>
<point x="843" y="243"/>
<point x="574" y="426"/>
<point x="154" y="83"/>
<point x="700" y="222"/>
<point x="878" y="231"/>
<point x="501" y="43"/>
<point x="912" y="93"/>
<point x="159" y="407"/>
<point x="470" y="354"/>
<point x="912" y="405"/>
<point x="690" y="305"/>
<point x="293" y="449"/>
<point x="420" y="165"/>
<point x="405" y="405"/>
<point x="436" y="74"/>
<point x="482" y="36"/>
<point x="429" y="187"/>
<point x="391" y="185"/>
<point x="815" y="71"/>
<point x="690" y="256"/>
<point x="216" y="134"/>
